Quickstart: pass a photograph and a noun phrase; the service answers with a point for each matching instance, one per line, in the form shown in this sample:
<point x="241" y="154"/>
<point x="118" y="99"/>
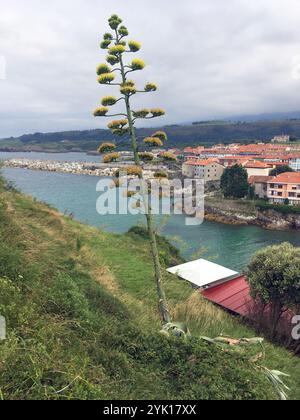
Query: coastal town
<point x="260" y="160"/>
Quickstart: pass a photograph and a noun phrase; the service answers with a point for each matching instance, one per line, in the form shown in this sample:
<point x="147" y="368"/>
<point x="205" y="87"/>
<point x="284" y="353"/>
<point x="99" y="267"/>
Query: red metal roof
<point x="233" y="295"/>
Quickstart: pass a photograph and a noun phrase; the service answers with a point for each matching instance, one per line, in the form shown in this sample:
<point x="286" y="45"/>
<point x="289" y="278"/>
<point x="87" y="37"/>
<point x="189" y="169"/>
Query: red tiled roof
<point x="259" y="179"/>
<point x="201" y="162"/>
<point x="233" y="295"/>
<point x="257" y="164"/>
<point x="286" y="178"/>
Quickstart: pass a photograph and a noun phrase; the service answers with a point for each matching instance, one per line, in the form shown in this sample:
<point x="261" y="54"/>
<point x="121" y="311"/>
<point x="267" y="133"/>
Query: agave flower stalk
<point x="116" y="47"/>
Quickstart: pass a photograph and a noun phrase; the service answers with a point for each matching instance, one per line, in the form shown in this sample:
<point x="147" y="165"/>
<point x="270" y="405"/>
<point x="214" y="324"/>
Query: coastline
<point x="267" y="219"/>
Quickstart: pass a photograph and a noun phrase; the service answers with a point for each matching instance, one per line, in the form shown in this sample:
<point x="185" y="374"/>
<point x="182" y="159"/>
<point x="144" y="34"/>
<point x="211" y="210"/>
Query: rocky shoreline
<point x="268" y="219"/>
<point x="77" y="168"/>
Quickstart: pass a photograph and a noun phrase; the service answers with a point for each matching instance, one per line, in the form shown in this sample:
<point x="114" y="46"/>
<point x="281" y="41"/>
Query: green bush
<point x="280" y="208"/>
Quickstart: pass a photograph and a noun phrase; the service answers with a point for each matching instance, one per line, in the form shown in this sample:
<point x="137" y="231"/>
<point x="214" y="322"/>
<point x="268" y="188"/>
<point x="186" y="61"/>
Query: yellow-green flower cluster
<point x="109" y="101"/>
<point x="153" y="141"/>
<point x="130" y="171"/>
<point x="137" y="64"/>
<point x="128" y="88"/>
<point x="157" y="112"/>
<point x="134" y="46"/>
<point x="117" y="124"/>
<point x="114" y="22"/>
<point x="123" y="31"/>
<point x="150" y="87"/>
<point x="146" y="156"/>
<point x="160" y="174"/>
<point x="111" y="157"/>
<point x="142" y="113"/>
<point x="112" y="59"/>
<point x="117" y="49"/>
<point x="106" y="147"/>
<point x="157" y="139"/>
<point x="103" y="69"/>
<point x="101" y="112"/>
<point x="108" y="37"/>
<point x="168" y="157"/>
<point x="161" y="135"/>
<point x="118" y="127"/>
<point x="105" y="44"/>
<point x="106" y="78"/>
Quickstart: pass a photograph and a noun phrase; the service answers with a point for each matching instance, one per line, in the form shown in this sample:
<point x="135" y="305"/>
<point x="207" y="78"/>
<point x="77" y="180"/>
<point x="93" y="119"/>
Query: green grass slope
<point x="80" y="306"/>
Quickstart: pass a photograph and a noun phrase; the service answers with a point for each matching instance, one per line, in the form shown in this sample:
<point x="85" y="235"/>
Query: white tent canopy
<point x="202" y="273"/>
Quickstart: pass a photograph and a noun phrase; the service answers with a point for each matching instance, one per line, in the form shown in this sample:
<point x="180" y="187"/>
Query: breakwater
<point x="79" y="168"/>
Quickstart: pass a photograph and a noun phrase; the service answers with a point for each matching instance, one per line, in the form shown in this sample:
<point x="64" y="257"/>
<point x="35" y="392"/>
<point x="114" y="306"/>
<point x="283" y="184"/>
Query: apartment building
<point x="208" y="169"/>
<point x="260" y="184"/>
<point x="294" y="162"/>
<point x="283" y="188"/>
<point x="281" y="139"/>
<point x="257" y="168"/>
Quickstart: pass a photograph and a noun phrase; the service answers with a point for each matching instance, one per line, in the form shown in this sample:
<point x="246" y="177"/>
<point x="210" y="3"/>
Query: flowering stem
<point x="162" y="300"/>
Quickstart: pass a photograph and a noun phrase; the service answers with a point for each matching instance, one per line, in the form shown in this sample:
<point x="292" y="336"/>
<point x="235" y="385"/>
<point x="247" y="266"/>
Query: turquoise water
<point x="231" y="246"/>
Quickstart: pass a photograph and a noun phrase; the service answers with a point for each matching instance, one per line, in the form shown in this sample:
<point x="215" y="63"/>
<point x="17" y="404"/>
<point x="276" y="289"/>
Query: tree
<point x="281" y="170"/>
<point x="234" y="182"/>
<point x="274" y="278"/>
<point x="118" y="48"/>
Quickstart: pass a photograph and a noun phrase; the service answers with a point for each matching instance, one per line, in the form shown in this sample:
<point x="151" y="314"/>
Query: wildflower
<point x="150" y="87"/>
<point x="157" y="112"/>
<point x="130" y="171"/>
<point x="106" y="78"/>
<point x="112" y="59"/>
<point x="145" y="156"/>
<point x="114" y="22"/>
<point x="107" y="37"/>
<point x="161" y="135"/>
<point x="137" y="64"/>
<point x="111" y="157"/>
<point x="169" y="157"/>
<point x="105" y="44"/>
<point x="142" y="113"/>
<point x="134" y="46"/>
<point x="101" y="112"/>
<point x="153" y="141"/>
<point x="126" y="89"/>
<point x="117" y="124"/>
<point x="160" y="174"/>
<point x="102" y="69"/>
<point x="109" y="101"/>
<point x="117" y="49"/>
<point x="123" y="31"/>
<point x="106" y="147"/>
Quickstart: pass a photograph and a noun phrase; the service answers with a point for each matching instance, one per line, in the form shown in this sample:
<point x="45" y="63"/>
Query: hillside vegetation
<point x="206" y="133"/>
<point x="80" y="306"/>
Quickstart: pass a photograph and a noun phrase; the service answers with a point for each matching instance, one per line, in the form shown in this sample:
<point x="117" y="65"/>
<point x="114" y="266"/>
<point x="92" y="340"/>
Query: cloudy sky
<point x="211" y="59"/>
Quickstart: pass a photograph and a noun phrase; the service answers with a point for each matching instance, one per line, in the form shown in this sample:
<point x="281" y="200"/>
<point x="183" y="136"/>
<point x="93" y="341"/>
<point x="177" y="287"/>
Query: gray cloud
<point x="211" y="59"/>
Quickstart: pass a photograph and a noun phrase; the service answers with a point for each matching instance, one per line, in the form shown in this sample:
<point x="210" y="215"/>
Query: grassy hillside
<point x="206" y="133"/>
<point x="82" y="323"/>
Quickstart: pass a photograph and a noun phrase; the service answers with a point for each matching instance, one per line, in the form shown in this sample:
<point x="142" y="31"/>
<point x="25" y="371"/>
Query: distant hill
<point x="199" y="133"/>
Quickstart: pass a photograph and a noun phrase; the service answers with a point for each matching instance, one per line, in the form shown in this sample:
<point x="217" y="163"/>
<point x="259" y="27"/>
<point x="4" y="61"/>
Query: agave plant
<point x="273" y="376"/>
<point x="177" y="329"/>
